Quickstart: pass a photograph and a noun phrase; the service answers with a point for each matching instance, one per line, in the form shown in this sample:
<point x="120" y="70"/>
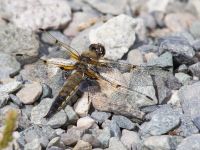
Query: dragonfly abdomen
<point x="68" y="90"/>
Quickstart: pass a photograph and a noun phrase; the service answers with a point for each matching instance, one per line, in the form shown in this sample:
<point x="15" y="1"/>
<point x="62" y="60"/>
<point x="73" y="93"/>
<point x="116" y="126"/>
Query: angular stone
<point x="3" y="99"/>
<point x="115" y="144"/>
<point x="195" y="69"/>
<point x="33" y="145"/>
<point x="183" y="78"/>
<point x="82" y="145"/>
<point x="10" y="87"/>
<point x="123" y="122"/>
<point x="71" y="115"/>
<point x="85" y="122"/>
<point x="188" y="143"/>
<point x="100" y="117"/>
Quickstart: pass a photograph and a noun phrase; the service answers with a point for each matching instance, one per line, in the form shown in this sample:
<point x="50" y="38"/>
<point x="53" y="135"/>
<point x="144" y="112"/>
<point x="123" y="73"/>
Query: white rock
<point x="85" y="122"/>
<point x="30" y="93"/>
<point x="82" y="106"/>
<point x="117" y="35"/>
<point x="130" y="138"/>
<point x="174" y="100"/>
<point x="135" y="57"/>
<point x="31" y="14"/>
<point x="155" y="5"/>
<point x="10" y="87"/>
<point x="196" y="4"/>
<point x="115" y="144"/>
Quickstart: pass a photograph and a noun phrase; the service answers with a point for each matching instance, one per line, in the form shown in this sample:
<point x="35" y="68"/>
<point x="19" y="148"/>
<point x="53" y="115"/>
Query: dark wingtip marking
<point x="40" y="29"/>
<point x="19" y="54"/>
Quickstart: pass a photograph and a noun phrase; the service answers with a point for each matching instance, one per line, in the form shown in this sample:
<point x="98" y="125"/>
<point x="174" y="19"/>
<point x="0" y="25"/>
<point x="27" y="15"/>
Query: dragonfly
<point x="88" y="65"/>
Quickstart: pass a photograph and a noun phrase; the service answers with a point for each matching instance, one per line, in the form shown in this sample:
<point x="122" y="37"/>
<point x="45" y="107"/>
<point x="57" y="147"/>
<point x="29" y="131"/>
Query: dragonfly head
<point x="98" y="49"/>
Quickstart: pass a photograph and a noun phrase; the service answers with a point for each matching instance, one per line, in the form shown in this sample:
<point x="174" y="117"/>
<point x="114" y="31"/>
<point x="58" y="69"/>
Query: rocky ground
<point x="158" y="34"/>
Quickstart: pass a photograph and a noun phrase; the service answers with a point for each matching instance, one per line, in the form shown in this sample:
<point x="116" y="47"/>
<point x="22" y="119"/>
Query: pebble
<point x="72" y="136"/>
<point x="116" y="46"/>
<point x="130" y="138"/>
<point x="85" y="122"/>
<point x="177" y="22"/>
<point x="108" y="7"/>
<point x="115" y="144"/>
<point x="159" y="18"/>
<point x="92" y="140"/>
<point x="82" y="145"/>
<point x="9" y="66"/>
<point x="10" y="87"/>
<point x="183" y="68"/>
<point x="30" y="14"/>
<point x="23" y="42"/>
<point x="16" y="100"/>
<point x="154" y="5"/>
<point x="165" y="142"/>
<point x="56" y="142"/>
<point x="195" y="69"/>
<point x="71" y="115"/>
<point x="40" y="110"/>
<point x="191" y="142"/>
<point x="174" y="100"/>
<point x="123" y="122"/>
<point x="196" y="45"/>
<point x="196" y="122"/>
<point x="46" y="91"/>
<point x="194" y="29"/>
<point x="162" y="121"/>
<point x="135" y="57"/>
<point x="82" y="106"/>
<point x="183" y="78"/>
<point x="100" y="117"/>
<point x="30" y="93"/>
<point x="104" y="137"/>
<point x="4" y="97"/>
<point x="33" y="145"/>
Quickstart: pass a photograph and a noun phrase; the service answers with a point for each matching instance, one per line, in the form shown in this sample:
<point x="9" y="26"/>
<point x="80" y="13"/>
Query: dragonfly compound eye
<point x="98" y="48"/>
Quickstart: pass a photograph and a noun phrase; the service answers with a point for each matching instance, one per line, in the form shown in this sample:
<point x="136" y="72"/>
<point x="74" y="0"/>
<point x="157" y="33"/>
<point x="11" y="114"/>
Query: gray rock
<point x="19" y="41"/>
<point x="191" y="142"/>
<point x="82" y="145"/>
<point x="104" y="137"/>
<point x="163" y="142"/>
<point x="56" y="142"/>
<point x="114" y="129"/>
<point x="92" y="140"/>
<point x="159" y="18"/>
<point x="195" y="69"/>
<point x="196" y="45"/>
<point x="9" y="66"/>
<point x="190" y="100"/>
<point x="122" y="25"/>
<point x="24" y="121"/>
<point x="71" y="115"/>
<point x="130" y="138"/>
<point x="123" y="122"/>
<point x="54" y="148"/>
<point x="3" y="99"/>
<point x="109" y="7"/>
<point x="194" y="29"/>
<point x="149" y="21"/>
<point x="183" y="68"/>
<point x="173" y="83"/>
<point x="162" y="121"/>
<point x="135" y="57"/>
<point x="115" y="144"/>
<point x="184" y="35"/>
<point x="196" y="122"/>
<point x="31" y="14"/>
<point x="15" y="99"/>
<point x="148" y="48"/>
<point x="72" y="136"/>
<point x="100" y="117"/>
<point x="33" y="145"/>
<point x="154" y="5"/>
<point x="183" y="78"/>
<point x="10" y="87"/>
<point x="179" y="47"/>
<point x="40" y="110"/>
<point x="46" y="91"/>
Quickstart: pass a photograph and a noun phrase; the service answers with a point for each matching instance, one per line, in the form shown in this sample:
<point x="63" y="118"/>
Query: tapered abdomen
<point x="68" y="90"/>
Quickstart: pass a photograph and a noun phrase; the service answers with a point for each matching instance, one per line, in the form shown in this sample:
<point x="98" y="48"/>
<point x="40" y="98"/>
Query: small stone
<point x="154" y="5"/>
<point x="85" y="122"/>
<point x="122" y="25"/>
<point x="135" y="57"/>
<point x="33" y="12"/>
<point x="115" y="144"/>
<point x="194" y="29"/>
<point x="109" y="7"/>
<point x="196" y="45"/>
<point x="149" y="21"/>
<point x="195" y="69"/>
<point x="82" y="145"/>
<point x="196" y="122"/>
<point x="183" y="68"/>
<point x="166" y="142"/>
<point x="179" y="21"/>
<point x="174" y="100"/>
<point x="9" y="66"/>
<point x="92" y="140"/>
<point x="3" y="99"/>
<point x="56" y="142"/>
<point x="34" y="145"/>
<point x="159" y="18"/>
<point x="150" y="56"/>
<point x="123" y="122"/>
<point x="100" y="117"/>
<point x="30" y="93"/>
<point x="71" y="115"/>
<point x="188" y="143"/>
<point x="10" y="87"/>
<point x="130" y="138"/>
<point x="72" y="136"/>
<point x="183" y="78"/>
<point x="104" y="137"/>
<point x="46" y="91"/>
<point x="16" y="100"/>
<point x="82" y="106"/>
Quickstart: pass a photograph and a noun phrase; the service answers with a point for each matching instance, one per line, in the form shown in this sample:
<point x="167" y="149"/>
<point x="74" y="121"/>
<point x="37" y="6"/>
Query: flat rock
<point x="179" y="21"/>
<point x="9" y="66"/>
<point x="130" y="138"/>
<point x="3" y="99"/>
<point x="188" y="143"/>
<point x="161" y="121"/>
<point x="85" y="122"/>
<point x="115" y="144"/>
<point x="166" y="142"/>
<point x="124" y="27"/>
<point x="33" y="145"/>
<point x="123" y="122"/>
<point x="30" y="93"/>
<point x="30" y="14"/>
<point x="10" y="87"/>
<point x="40" y="110"/>
<point x="19" y="41"/>
<point x="100" y="117"/>
<point x="82" y="145"/>
<point x="108" y="7"/>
